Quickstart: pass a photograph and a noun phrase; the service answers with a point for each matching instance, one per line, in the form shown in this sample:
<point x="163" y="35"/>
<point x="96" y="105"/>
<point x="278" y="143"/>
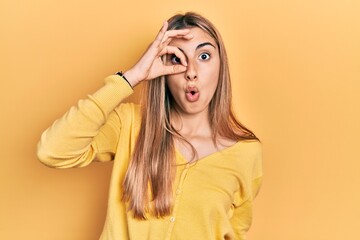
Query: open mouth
<point x="192" y="90"/>
<point x="192" y="94"/>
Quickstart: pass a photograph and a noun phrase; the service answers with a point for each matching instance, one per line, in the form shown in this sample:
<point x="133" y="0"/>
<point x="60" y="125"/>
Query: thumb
<point x="174" y="69"/>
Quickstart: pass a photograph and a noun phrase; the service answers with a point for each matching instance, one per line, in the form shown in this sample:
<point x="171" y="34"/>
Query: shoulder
<point x="250" y="156"/>
<point x="251" y="147"/>
<point x="128" y="108"/>
<point x="244" y="152"/>
<point x="129" y="113"/>
<point x="255" y="153"/>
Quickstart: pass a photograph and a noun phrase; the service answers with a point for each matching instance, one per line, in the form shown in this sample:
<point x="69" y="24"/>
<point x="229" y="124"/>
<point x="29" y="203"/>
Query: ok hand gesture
<point x="151" y="64"/>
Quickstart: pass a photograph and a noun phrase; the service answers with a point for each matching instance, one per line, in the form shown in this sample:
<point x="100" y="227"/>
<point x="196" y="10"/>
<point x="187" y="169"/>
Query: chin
<point x="194" y="109"/>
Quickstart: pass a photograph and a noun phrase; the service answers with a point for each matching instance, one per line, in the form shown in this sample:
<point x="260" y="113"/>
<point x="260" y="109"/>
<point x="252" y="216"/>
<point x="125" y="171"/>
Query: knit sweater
<point x="213" y="197"/>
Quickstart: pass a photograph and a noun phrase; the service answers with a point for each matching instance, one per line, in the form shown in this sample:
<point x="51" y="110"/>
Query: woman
<point x="184" y="167"/>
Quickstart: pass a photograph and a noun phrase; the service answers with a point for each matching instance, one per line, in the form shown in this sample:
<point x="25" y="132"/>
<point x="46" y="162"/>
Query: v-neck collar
<point x="183" y="160"/>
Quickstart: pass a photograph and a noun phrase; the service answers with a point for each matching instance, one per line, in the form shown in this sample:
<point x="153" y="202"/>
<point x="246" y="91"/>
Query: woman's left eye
<point x="174" y="59"/>
<point x="204" y="56"/>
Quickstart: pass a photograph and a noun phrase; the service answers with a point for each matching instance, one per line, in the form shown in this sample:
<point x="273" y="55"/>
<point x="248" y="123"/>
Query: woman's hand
<point x="151" y="65"/>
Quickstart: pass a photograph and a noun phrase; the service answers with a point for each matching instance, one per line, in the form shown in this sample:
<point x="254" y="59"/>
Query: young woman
<point x="184" y="167"/>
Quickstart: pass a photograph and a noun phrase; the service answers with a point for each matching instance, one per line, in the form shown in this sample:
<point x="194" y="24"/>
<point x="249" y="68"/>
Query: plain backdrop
<point x="295" y="69"/>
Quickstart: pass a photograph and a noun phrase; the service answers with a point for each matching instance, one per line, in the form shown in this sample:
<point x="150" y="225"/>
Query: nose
<point x="191" y="71"/>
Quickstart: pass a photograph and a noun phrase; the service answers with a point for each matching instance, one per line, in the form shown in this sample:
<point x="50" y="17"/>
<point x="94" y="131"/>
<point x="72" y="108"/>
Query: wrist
<point x="131" y="77"/>
<point x="123" y="77"/>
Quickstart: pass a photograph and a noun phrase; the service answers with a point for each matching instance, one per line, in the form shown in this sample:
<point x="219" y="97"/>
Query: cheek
<point x="172" y="83"/>
<point x="211" y="75"/>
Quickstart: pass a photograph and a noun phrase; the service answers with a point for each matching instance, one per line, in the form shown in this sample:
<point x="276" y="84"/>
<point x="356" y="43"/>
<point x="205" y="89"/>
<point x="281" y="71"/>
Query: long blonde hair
<point x="147" y="186"/>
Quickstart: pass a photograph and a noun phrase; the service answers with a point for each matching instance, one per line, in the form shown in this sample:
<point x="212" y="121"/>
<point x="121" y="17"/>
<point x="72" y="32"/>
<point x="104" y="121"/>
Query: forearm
<point x="69" y="142"/>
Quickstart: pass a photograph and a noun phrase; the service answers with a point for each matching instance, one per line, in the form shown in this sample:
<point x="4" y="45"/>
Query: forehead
<point x="200" y="36"/>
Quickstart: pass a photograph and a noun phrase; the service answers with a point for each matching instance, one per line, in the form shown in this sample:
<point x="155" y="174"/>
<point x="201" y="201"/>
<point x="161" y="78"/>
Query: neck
<point x="191" y="125"/>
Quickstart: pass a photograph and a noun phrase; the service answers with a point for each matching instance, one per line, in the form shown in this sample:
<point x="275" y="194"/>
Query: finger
<point x="188" y="36"/>
<point x="165" y="43"/>
<point x="155" y="45"/>
<point x="168" y="70"/>
<point x="162" y="32"/>
<point x="177" y="52"/>
<point x="176" y="34"/>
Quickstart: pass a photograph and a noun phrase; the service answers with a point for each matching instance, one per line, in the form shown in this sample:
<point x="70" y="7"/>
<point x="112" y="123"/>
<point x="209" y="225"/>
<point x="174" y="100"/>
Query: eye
<point x="204" y="56"/>
<point x="174" y="59"/>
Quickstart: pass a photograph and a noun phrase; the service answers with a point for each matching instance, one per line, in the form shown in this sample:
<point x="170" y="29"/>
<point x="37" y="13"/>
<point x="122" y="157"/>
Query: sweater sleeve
<point x="243" y="208"/>
<point x="86" y="131"/>
<point x="242" y="216"/>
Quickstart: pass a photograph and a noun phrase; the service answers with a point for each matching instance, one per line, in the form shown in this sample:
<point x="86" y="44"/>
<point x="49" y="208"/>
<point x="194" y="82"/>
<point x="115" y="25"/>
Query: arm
<point x="91" y="129"/>
<point x="243" y="203"/>
<point x="87" y="130"/>
<point x="242" y="216"/>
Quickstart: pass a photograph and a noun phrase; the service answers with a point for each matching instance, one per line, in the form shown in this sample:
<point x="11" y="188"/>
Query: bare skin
<point x="150" y="64"/>
<point x="192" y="72"/>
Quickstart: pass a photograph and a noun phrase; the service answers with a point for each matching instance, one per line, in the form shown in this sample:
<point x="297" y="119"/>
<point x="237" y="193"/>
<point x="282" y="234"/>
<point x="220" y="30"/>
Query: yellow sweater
<point x="213" y="197"/>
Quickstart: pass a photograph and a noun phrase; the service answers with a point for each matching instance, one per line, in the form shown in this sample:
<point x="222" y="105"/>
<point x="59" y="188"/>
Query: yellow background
<point x="295" y="70"/>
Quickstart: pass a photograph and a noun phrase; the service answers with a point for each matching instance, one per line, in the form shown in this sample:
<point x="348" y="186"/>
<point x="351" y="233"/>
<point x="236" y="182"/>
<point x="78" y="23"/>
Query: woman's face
<point x="193" y="89"/>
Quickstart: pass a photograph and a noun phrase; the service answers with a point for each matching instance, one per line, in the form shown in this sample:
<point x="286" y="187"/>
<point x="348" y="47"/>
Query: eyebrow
<point x="200" y="46"/>
<point x="204" y="44"/>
